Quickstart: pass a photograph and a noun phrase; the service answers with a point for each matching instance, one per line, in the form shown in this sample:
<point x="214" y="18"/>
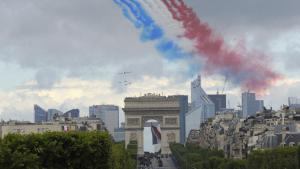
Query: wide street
<point x="167" y="164"/>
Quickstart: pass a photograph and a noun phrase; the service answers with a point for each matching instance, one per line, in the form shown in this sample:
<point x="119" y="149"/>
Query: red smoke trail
<point x="249" y="69"/>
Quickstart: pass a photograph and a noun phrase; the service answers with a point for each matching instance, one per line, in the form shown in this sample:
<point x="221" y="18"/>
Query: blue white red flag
<point x="156" y="135"/>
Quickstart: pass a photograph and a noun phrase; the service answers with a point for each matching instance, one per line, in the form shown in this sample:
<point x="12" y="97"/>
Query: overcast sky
<point x="68" y="53"/>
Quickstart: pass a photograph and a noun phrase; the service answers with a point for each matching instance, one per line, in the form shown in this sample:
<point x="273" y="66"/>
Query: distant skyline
<point x="66" y="55"/>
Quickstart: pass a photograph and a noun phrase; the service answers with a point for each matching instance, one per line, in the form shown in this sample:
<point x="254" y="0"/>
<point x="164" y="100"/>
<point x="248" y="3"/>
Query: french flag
<point x="156" y="135"/>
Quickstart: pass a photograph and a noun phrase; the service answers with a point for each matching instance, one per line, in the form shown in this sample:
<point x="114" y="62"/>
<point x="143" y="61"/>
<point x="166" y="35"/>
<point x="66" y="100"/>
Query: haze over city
<point x="73" y="55"/>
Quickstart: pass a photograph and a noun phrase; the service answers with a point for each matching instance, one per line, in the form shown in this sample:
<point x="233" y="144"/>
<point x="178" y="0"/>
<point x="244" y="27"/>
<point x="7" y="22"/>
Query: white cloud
<point x="77" y="93"/>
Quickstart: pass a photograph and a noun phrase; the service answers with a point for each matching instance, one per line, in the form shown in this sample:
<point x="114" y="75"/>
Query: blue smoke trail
<point x="139" y="17"/>
<point x="170" y="50"/>
<point x="151" y="31"/>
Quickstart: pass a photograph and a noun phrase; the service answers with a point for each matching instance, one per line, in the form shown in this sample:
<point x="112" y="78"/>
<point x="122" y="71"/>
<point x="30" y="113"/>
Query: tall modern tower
<point x="74" y="113"/>
<point x="294" y="102"/>
<point x="202" y="108"/>
<point x="219" y="100"/>
<point x="40" y="115"/>
<point x="184" y="106"/>
<point x="51" y="113"/>
<point x="108" y="113"/>
<point x="250" y="105"/>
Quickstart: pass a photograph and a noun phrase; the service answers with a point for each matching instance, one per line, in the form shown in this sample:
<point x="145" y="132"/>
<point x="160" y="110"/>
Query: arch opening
<point x="152" y="136"/>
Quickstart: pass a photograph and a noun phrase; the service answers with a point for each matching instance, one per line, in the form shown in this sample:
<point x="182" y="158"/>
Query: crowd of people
<point x="146" y="161"/>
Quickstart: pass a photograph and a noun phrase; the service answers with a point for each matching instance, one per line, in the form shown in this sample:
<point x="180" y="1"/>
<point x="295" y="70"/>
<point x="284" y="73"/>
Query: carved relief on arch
<point x="171" y="137"/>
<point x="133" y="137"/>
<point x="133" y="121"/>
<point x="171" y="121"/>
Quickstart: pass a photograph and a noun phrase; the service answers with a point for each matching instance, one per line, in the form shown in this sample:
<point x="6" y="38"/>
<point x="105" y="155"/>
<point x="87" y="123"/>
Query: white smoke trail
<point x="154" y="10"/>
<point x="173" y="29"/>
<point x="163" y="17"/>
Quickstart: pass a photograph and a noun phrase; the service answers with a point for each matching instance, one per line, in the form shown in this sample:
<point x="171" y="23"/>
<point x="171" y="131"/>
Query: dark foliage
<point x="58" y="150"/>
<point x="194" y="157"/>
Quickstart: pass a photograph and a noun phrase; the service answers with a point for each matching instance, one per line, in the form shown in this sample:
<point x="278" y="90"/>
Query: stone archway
<point x="149" y="144"/>
<point x="163" y="109"/>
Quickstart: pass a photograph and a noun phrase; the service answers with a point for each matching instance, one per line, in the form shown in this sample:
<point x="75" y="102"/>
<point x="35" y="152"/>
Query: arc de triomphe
<point x="165" y="110"/>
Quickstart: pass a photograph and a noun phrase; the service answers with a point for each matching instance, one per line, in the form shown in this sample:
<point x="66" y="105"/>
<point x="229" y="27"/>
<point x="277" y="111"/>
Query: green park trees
<point x="58" y="150"/>
<point x="194" y="157"/>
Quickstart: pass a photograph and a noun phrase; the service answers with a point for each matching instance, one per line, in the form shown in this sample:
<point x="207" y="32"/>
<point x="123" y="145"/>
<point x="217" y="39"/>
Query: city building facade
<point x="74" y="113"/>
<point x="294" y="102"/>
<point x="76" y="124"/>
<point x="250" y="105"/>
<point x="219" y="100"/>
<point x="119" y="134"/>
<point x="108" y="113"/>
<point x="184" y="106"/>
<point x="51" y="113"/>
<point x="40" y="115"/>
<point x="239" y="137"/>
<point x="201" y="109"/>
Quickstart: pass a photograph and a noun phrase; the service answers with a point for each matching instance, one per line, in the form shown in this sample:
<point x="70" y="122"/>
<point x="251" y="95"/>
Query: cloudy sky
<point x="68" y="54"/>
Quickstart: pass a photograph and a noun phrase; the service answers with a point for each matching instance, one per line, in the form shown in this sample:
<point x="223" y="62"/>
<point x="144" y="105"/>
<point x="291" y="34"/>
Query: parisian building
<point x="59" y="125"/>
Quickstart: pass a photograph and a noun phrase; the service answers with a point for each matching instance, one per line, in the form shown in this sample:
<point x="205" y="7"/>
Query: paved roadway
<point x="167" y="164"/>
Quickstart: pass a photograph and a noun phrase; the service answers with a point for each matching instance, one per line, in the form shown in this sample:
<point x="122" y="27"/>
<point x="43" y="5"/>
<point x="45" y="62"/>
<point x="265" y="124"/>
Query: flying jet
<point x="124" y="73"/>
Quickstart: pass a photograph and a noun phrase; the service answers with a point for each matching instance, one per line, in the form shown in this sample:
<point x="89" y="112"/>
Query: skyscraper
<point x="201" y="108"/>
<point x="184" y="106"/>
<point x="108" y="113"/>
<point x="51" y="113"/>
<point x="219" y="100"/>
<point x="294" y="102"/>
<point x="250" y="105"/>
<point x="119" y="133"/>
<point x="74" y="113"/>
<point x="40" y="115"/>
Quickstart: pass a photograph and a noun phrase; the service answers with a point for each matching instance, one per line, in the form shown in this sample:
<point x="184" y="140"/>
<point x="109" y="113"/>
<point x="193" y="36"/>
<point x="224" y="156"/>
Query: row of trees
<point x="194" y="157"/>
<point x="279" y="158"/>
<point x="57" y="150"/>
<point x="132" y="148"/>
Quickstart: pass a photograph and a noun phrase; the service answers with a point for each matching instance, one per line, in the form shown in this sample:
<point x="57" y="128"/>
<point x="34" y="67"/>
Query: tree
<point x="58" y="150"/>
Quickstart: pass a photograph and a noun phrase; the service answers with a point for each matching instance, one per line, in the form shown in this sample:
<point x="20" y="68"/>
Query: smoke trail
<point x="136" y="14"/>
<point x="249" y="69"/>
<point x="163" y="17"/>
<point x="139" y="17"/>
